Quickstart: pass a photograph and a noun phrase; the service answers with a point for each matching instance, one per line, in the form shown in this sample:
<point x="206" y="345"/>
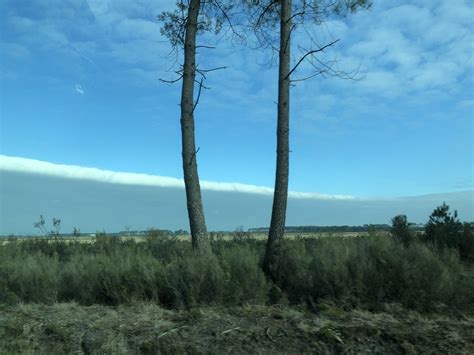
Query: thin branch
<point x="171" y="81"/>
<point x="194" y="156"/>
<point x="203" y="72"/>
<point x="198" y="96"/>
<point x="203" y="46"/>
<point x="202" y="85"/>
<point x="339" y="73"/>
<point x="308" y="77"/>
<point x="260" y="18"/>
<point x="227" y="18"/>
<point x="308" y="54"/>
<point x="297" y="14"/>
<point x="213" y="69"/>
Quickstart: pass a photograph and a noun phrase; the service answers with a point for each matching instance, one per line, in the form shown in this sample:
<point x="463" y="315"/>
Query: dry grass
<point x="146" y="328"/>
<point x="88" y="239"/>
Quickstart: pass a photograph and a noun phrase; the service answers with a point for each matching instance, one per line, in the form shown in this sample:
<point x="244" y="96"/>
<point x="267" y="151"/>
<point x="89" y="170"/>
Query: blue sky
<point x="79" y="86"/>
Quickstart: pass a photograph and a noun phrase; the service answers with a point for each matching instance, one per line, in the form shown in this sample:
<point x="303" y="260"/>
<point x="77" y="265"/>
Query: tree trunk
<point x="197" y="222"/>
<point x="280" y="196"/>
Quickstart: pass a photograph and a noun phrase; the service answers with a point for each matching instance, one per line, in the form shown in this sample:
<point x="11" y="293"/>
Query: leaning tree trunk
<point x="197" y="222"/>
<point x="280" y="196"/>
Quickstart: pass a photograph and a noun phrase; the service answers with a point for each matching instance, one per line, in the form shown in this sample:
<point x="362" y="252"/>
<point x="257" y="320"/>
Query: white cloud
<point x="79" y="89"/>
<point x="31" y="166"/>
<point x="405" y="50"/>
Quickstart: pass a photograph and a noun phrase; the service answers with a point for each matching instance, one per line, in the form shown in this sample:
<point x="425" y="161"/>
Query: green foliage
<point x="445" y="230"/>
<point x="212" y="16"/>
<point x="400" y="229"/>
<point x="362" y="272"/>
<point x="111" y="280"/>
<point x="466" y="242"/>
<point x="244" y="277"/>
<point x="28" y="278"/>
<point x="370" y="271"/>
<point x="192" y="280"/>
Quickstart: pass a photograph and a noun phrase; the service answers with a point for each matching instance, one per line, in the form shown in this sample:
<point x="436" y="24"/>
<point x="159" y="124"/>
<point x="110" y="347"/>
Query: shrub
<point x="466" y="243"/>
<point x="400" y="230"/>
<point x="245" y="280"/>
<point x="192" y="280"/>
<point x="352" y="272"/>
<point x="369" y="271"/>
<point x="29" y="278"/>
<point x="444" y="230"/>
<point x="111" y="280"/>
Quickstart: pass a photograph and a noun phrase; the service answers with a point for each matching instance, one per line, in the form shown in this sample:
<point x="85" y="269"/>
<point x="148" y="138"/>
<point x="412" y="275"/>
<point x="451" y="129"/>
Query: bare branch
<point x="260" y="18"/>
<point x="213" y="69"/>
<point x="198" y="96"/>
<point x="203" y="86"/>
<point x="227" y="18"/>
<point x="308" y="77"/>
<point x="203" y="46"/>
<point x="310" y="53"/>
<point x="194" y="156"/>
<point x="171" y="81"/>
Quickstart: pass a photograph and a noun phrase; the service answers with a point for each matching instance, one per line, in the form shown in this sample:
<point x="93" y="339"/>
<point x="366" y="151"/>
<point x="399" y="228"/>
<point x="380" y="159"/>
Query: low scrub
<point x="371" y="271"/>
<point x="364" y="272"/>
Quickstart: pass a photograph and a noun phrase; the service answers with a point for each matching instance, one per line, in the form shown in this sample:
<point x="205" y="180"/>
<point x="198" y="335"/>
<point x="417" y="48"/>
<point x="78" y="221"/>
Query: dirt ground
<point x="148" y="329"/>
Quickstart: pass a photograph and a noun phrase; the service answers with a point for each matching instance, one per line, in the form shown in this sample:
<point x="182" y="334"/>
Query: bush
<point x="400" y="230"/>
<point x="466" y="243"/>
<point x="111" y="280"/>
<point x="28" y="278"/>
<point x="444" y="230"/>
<point x="352" y="272"/>
<point x="192" y="280"/>
<point x="370" y="271"/>
<point x="245" y="280"/>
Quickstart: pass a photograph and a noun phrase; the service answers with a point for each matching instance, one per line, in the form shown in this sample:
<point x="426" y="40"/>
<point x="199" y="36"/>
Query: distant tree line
<point x="335" y="229"/>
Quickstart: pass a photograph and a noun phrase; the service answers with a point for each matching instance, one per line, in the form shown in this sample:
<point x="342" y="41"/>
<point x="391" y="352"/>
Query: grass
<point x="149" y="329"/>
<point x="337" y="294"/>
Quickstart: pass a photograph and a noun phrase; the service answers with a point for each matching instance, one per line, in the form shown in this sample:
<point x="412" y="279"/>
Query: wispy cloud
<point x="79" y="89"/>
<point x="32" y="166"/>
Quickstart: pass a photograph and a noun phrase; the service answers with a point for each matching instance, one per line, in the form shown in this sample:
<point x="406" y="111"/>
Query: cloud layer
<point x="31" y="166"/>
<point x="91" y="206"/>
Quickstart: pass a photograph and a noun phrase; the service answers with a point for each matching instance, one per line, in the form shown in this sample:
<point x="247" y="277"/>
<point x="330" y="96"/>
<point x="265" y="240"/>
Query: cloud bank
<point x="32" y="166"/>
<point x="92" y="205"/>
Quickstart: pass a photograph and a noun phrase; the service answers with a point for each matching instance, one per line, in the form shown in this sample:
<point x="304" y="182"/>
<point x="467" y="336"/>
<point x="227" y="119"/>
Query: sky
<point x="80" y="89"/>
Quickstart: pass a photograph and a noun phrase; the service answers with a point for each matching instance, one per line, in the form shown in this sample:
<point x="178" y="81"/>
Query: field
<point x="228" y="236"/>
<point x="331" y="294"/>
